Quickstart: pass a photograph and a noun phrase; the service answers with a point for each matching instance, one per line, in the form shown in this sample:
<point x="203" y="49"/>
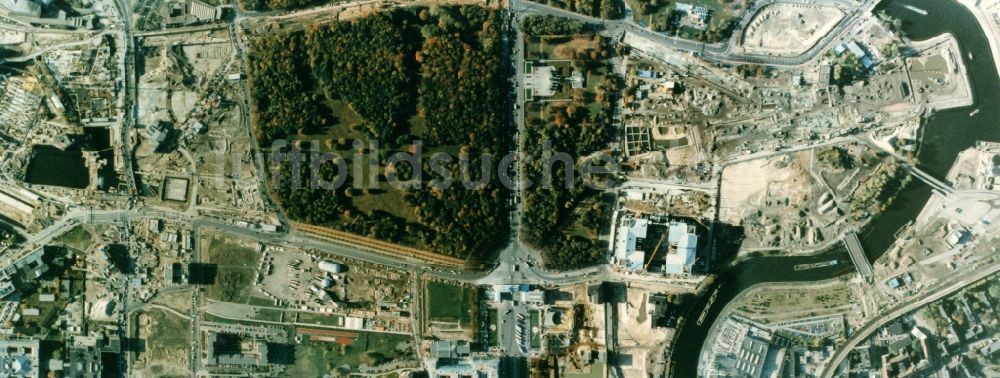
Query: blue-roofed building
<point x="450" y="348"/>
<point x="859" y="51"/>
<point x="893" y="283"/>
<point x="647" y="74"/>
<point x="867" y="62"/>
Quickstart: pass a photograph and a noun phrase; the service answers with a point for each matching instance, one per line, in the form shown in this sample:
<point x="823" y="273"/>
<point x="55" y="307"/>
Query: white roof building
<point x="20" y="8"/>
<point x="332" y="267"/>
<point x="354" y="322"/>
<point x="682" y="243"/>
<point x="19" y="358"/>
<point x="957" y="236"/>
<point x="16" y="203"/>
<point x="12" y="37"/>
<point x="520" y="293"/>
<point x="629" y="234"/>
<point x="203" y="11"/>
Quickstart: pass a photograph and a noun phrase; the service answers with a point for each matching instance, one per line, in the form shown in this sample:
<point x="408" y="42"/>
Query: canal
<point x="945" y="134"/>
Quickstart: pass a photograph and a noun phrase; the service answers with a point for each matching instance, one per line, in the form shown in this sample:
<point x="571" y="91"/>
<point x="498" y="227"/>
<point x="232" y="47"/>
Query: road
<point x="517" y="263"/>
<point x="903" y="309"/>
<point x="131" y="106"/>
<point x="719" y="52"/>
<point x="858" y="256"/>
<point x="235" y="34"/>
<point x="500" y="274"/>
<point x="202" y="224"/>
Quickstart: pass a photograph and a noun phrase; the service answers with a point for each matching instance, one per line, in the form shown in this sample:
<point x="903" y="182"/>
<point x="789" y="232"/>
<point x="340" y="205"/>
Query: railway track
<point x="386" y="248"/>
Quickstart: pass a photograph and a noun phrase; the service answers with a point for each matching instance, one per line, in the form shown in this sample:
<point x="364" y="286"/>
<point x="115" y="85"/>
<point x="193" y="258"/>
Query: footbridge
<point x="941" y="186"/>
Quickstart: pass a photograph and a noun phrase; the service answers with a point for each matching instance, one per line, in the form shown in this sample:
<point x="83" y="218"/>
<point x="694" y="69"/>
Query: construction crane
<point x="656" y="248"/>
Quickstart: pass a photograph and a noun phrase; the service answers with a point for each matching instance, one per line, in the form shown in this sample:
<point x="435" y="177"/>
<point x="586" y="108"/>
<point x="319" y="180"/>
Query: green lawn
<point x="270" y="315"/>
<point x="167" y="331"/>
<point x="536" y="48"/>
<point x="594" y="78"/>
<point x="259" y="301"/>
<point x="310" y="318"/>
<point x="235" y="270"/>
<point x="494" y="322"/>
<point x="225" y="251"/>
<point x="596" y="371"/>
<point x="418" y="126"/>
<point x="387" y="199"/>
<point x="231" y="285"/>
<point x="77" y="238"/>
<point x="451" y="303"/>
<point x="346" y="123"/>
<point x="535" y="323"/>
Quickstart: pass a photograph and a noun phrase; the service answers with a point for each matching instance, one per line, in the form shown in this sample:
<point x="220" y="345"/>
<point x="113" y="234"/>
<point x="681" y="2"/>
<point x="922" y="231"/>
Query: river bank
<point x="980" y="10"/>
<point x="706" y="354"/>
<point x="944" y="135"/>
<point x="734" y="280"/>
<point x="946" y="46"/>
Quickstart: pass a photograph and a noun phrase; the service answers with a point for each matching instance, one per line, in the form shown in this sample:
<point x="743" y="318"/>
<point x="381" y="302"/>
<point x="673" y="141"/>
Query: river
<point x="945" y="134"/>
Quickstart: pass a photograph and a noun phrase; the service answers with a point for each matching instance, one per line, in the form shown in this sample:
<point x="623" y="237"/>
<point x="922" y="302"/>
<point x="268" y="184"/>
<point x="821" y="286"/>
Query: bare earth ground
<point x="789" y="29"/>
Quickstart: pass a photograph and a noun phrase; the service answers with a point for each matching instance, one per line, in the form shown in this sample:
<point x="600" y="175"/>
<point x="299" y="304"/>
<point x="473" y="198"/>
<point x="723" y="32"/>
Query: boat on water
<point x="974" y="112"/>
<point x="815" y="265"/>
<point x="970" y="55"/>
<point x="708" y="305"/>
<point x="915" y="9"/>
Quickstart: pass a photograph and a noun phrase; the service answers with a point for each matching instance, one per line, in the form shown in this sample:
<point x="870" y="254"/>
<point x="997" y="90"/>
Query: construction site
<point x="799" y="201"/>
<point x="789" y="29"/>
<point x="187" y="151"/>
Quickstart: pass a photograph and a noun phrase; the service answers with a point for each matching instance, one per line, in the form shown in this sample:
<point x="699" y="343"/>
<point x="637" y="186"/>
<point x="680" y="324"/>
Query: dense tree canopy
<point x="368" y="63"/>
<point x="461" y="100"/>
<point x="436" y="66"/>
<point x="551" y="25"/>
<point x="280" y="87"/>
<point x="610" y="9"/>
<point x="264" y="5"/>
<point x="549" y="212"/>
